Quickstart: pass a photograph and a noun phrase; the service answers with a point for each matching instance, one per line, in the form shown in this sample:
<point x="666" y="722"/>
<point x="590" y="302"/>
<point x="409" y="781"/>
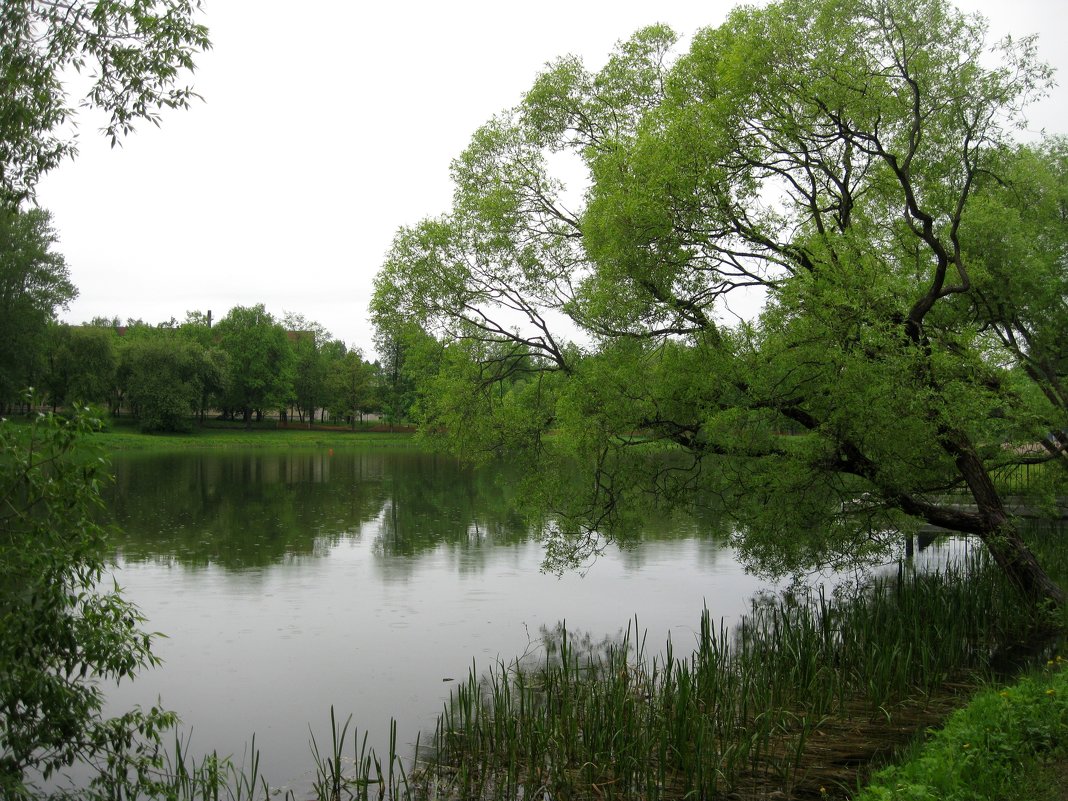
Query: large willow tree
<point x="785" y="269"/>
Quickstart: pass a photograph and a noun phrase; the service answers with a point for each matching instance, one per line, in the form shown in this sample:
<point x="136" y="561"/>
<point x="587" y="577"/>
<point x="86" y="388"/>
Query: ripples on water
<point x="289" y="583"/>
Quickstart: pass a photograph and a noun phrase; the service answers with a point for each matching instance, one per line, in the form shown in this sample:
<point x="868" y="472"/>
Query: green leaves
<point x="165" y="379"/>
<point x="63" y="636"/>
<point x="135" y="51"/>
<point x="985" y="749"/>
<point x="260" y="358"/>
<point x="34" y="283"/>
<point x="837" y="174"/>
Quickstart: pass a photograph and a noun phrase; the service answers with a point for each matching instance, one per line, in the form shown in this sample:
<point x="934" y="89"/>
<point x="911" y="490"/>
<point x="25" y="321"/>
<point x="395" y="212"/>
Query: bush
<point x="63" y="635"/>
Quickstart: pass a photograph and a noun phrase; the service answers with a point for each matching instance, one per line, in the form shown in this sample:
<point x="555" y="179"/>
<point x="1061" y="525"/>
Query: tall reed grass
<point x="799" y="699"/>
<point x="793" y="699"/>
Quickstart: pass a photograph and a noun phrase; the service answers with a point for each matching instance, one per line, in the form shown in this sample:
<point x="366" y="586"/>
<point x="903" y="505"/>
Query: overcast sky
<point x="326" y="126"/>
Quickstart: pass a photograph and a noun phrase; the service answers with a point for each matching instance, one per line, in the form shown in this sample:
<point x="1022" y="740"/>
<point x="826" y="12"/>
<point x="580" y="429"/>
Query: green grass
<point x="125" y="436"/>
<point x="1007" y="743"/>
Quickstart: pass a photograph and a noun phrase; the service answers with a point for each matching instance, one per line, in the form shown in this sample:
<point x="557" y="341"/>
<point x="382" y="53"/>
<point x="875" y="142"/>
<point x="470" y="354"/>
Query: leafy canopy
<point x="825" y="166"/>
<point x="34" y="284"/>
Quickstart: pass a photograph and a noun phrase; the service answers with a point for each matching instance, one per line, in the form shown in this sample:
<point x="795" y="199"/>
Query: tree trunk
<point x="1014" y="557"/>
<point x="1001" y="535"/>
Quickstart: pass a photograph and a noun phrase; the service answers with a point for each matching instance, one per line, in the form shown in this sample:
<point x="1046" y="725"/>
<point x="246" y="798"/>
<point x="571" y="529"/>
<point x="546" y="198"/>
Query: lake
<point x="367" y="580"/>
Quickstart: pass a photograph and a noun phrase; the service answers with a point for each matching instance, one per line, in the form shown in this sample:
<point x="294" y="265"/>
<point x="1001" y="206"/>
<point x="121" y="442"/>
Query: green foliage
<point x="34" y="283"/>
<point x="317" y="362"/>
<point x="309" y="376"/>
<point x="1018" y="243"/>
<point x="134" y="51"/>
<point x="82" y="365"/>
<point x="833" y="170"/>
<point x="985" y="748"/>
<point x="408" y="359"/>
<point x="166" y="379"/>
<point x="351" y="387"/>
<point x="260" y="359"/>
<point x="63" y="634"/>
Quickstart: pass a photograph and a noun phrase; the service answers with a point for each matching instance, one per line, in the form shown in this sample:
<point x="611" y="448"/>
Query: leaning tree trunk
<point x="1001" y="535"/>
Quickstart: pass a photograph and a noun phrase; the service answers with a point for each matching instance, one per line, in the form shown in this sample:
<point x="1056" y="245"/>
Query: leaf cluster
<point x="63" y="634"/>
<point x="134" y="53"/>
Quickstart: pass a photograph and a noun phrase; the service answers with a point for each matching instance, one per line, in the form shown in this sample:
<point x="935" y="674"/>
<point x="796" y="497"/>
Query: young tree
<point x="213" y="362"/>
<point x="81" y="365"/>
<point x="824" y="156"/>
<point x="408" y="359"/>
<point x="332" y="353"/>
<point x="310" y="341"/>
<point x="352" y="387"/>
<point x="260" y="358"/>
<point x="165" y="380"/>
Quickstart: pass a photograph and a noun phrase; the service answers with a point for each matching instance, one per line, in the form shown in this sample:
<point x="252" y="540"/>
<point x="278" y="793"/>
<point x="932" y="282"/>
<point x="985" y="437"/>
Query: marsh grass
<point x="211" y="778"/>
<point x="803" y="698"/>
<point x="361" y="778"/>
<point x="802" y="695"/>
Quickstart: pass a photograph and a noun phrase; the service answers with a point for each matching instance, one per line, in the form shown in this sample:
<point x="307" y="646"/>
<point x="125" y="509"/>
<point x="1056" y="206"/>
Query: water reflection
<point x="291" y="582"/>
<point x="241" y="511"/>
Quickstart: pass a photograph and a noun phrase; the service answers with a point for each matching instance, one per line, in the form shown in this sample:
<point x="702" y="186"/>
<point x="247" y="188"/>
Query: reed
<point x="804" y="696"/>
<point x="806" y="688"/>
<point x="212" y="778"/>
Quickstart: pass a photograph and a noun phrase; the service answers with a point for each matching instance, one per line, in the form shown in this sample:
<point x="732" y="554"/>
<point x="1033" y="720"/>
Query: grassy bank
<point x="124" y="436"/>
<point x="1008" y="744"/>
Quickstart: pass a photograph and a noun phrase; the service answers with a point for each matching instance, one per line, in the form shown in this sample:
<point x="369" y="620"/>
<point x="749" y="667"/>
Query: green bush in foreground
<point x="63" y="632"/>
<point x="986" y="748"/>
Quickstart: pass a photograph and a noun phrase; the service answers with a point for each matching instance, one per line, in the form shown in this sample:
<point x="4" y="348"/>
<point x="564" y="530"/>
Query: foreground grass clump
<point x="800" y="697"/>
<point x="992" y="749"/>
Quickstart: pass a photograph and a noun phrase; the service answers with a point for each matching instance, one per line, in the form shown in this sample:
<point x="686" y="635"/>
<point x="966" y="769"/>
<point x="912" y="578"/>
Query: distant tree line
<point x="247" y="365"/>
<point x="168" y="376"/>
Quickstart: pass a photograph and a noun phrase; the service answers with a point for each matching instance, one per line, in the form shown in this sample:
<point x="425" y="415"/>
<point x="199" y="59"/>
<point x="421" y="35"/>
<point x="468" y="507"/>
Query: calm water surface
<point x="289" y="582"/>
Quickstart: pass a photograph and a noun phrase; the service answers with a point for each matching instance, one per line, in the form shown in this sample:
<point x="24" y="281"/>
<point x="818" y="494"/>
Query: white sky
<point x="326" y="126"/>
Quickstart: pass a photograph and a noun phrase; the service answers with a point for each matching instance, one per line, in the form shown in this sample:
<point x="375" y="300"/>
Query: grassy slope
<point x="1009" y="744"/>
